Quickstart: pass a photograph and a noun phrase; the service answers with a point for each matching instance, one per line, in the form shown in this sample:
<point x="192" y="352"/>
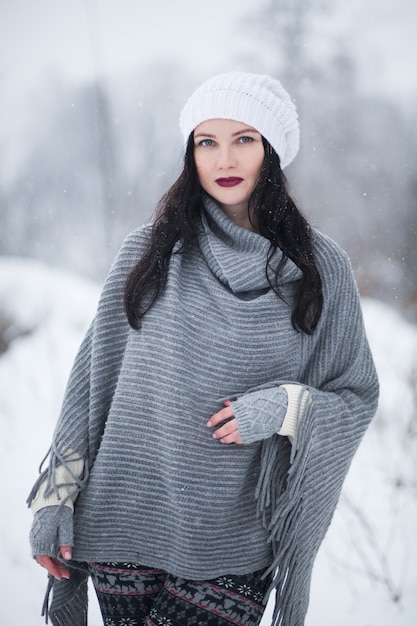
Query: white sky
<point x="37" y="36"/>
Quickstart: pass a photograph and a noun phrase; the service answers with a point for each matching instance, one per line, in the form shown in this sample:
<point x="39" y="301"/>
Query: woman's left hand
<point x="229" y="432"/>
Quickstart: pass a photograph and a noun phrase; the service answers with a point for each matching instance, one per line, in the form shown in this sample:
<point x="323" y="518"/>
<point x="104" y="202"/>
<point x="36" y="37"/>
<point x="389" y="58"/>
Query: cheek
<point x="260" y="162"/>
<point x="202" y="174"/>
<point x="257" y="169"/>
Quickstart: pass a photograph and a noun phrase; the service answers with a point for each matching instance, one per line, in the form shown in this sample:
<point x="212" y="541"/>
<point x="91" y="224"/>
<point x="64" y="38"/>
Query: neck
<point x="240" y="216"/>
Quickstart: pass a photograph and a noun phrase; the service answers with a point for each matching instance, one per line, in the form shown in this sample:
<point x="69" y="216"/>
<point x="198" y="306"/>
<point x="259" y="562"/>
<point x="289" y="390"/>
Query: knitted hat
<point x="253" y="99"/>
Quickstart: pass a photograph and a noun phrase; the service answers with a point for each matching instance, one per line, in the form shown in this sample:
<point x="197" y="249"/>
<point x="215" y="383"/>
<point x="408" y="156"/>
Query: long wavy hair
<point x="271" y="210"/>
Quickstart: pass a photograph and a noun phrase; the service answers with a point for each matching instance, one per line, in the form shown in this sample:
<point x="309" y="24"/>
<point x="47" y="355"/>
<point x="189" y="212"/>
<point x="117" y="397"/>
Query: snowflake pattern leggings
<point x="133" y="595"/>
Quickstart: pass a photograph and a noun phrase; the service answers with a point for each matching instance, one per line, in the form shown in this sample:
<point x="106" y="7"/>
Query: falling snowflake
<point x="245" y="590"/>
<point x="225" y="582"/>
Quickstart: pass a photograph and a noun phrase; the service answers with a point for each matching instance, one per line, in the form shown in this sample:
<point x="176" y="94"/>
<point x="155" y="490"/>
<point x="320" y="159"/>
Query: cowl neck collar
<point x="236" y="255"/>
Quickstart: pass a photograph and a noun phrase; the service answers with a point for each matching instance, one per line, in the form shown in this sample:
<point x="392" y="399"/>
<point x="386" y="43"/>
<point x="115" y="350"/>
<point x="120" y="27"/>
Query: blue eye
<point x="245" y="139"/>
<point x="206" y="143"/>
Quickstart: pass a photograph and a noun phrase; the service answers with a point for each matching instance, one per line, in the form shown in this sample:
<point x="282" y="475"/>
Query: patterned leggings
<point x="133" y="595"/>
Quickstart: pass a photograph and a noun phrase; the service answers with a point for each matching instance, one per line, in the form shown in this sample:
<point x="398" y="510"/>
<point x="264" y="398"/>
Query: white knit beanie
<point x="253" y="99"/>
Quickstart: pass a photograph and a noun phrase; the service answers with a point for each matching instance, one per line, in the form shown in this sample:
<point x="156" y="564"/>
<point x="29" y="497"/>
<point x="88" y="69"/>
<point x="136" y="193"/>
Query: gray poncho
<point x="157" y="488"/>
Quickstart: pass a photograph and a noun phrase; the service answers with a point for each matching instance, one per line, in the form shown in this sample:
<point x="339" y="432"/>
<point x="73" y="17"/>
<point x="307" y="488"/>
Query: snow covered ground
<point x="366" y="573"/>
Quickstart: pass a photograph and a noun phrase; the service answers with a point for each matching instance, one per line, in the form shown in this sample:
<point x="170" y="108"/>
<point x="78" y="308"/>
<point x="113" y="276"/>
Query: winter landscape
<point x="88" y="143"/>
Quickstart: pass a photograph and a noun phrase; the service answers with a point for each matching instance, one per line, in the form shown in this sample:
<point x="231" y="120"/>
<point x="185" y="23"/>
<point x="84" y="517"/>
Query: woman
<point x="218" y="397"/>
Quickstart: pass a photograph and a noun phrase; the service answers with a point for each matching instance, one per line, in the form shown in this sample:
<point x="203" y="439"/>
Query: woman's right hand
<point x="54" y="566"/>
<point x="51" y="538"/>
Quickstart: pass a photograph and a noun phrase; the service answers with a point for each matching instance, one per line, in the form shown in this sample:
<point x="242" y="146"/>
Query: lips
<point x="232" y="181"/>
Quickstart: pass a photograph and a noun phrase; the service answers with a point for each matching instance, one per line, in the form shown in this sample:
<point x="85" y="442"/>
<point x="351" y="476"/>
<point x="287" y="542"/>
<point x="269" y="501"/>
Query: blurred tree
<point x="284" y="25"/>
<point x="408" y="249"/>
<point x="97" y="162"/>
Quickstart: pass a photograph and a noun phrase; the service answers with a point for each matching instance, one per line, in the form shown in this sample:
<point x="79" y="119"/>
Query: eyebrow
<point x="239" y="132"/>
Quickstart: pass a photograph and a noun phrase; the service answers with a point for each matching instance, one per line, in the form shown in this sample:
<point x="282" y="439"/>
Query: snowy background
<point x="90" y="92"/>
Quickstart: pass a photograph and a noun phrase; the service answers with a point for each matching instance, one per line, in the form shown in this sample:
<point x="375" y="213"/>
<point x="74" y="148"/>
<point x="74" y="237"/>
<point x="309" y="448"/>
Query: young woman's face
<point x="228" y="156"/>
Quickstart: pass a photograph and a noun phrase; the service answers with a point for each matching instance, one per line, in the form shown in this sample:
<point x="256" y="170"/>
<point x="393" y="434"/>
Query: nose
<point x="225" y="157"/>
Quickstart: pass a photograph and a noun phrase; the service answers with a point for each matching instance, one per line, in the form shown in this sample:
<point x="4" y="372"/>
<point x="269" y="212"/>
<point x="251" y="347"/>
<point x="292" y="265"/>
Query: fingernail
<point x="214" y="436"/>
<point x="209" y="423"/>
<point x="67" y="555"/>
<point x="66" y="576"/>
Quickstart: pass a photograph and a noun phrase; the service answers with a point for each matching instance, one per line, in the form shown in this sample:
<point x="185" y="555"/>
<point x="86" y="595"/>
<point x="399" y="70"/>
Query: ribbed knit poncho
<point x="158" y="489"/>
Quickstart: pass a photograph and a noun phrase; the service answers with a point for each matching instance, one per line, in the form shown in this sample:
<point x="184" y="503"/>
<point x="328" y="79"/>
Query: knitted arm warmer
<point x="52" y="528"/>
<point x="52" y="525"/>
<point x="65" y="478"/>
<point x="299" y="399"/>
<point x="265" y="412"/>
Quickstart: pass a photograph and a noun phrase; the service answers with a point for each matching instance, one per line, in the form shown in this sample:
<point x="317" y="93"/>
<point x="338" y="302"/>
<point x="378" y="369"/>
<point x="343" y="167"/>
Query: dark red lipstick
<point x="232" y="181"/>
